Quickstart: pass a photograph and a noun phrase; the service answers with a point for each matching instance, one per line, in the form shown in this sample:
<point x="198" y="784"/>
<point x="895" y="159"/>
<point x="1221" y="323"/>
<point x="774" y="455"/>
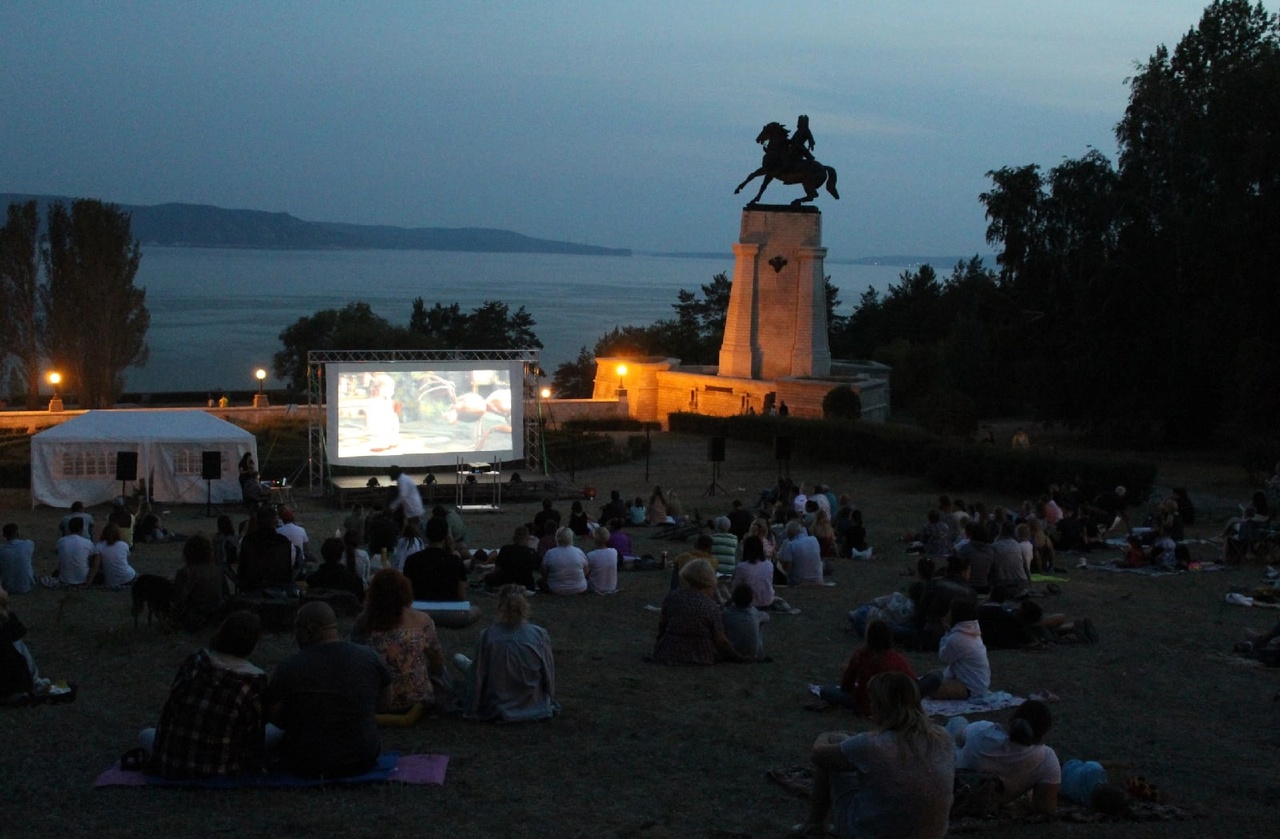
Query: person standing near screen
<point x="408" y="500"/>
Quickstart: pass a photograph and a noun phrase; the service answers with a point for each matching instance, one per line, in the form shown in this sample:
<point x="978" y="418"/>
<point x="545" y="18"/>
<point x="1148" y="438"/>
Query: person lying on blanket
<point x="1015" y="753"/>
<point x="967" y="672"/>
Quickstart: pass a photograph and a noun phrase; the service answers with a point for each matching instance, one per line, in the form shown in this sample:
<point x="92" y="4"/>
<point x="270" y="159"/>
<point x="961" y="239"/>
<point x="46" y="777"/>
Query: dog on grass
<point x="155" y="594"/>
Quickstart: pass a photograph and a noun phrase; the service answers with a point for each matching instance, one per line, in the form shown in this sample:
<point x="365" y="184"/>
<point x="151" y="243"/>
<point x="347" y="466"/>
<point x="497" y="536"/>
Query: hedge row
<point x="948" y="464"/>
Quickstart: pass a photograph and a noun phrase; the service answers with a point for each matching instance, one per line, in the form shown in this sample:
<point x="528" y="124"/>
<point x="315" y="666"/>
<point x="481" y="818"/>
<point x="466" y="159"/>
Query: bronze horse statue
<point x="789" y="162"/>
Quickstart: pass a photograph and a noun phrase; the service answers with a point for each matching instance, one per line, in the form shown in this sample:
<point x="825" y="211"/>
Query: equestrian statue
<point x="789" y="158"/>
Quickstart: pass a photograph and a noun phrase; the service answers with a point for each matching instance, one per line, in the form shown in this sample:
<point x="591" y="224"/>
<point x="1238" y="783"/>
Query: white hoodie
<point x="965" y="657"/>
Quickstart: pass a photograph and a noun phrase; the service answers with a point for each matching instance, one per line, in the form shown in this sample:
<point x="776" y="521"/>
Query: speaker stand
<point x="715" y="488"/>
<point x="787" y="461"/>
<point x="209" y="511"/>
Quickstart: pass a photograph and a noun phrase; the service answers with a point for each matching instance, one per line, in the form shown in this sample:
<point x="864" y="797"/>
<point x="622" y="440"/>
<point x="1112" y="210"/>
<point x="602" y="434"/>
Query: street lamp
<point x="622" y="379"/>
<point x="55" y="379"/>
<point x="260" y="400"/>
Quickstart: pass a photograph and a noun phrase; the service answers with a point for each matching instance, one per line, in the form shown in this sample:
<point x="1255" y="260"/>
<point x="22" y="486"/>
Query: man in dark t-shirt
<point x="548" y="513"/>
<point x="515" y="563"/>
<point x="325" y="697"/>
<point x="266" y="557"/>
<point x="436" y="573"/>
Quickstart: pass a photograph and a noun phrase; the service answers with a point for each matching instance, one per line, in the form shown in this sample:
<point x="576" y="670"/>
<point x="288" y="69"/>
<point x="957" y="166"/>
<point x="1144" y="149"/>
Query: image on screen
<point x="423" y="414"/>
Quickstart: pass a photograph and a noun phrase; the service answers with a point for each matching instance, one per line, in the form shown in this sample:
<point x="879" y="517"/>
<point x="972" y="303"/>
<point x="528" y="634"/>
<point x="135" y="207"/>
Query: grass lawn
<point x="646" y="751"/>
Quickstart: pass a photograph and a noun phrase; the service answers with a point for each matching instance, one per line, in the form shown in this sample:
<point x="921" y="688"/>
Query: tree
<point x="97" y="318"/>
<point x="20" y="322"/>
<point x="842" y="402"/>
<point x="353" y="327"/>
<point x="490" y="326"/>
<point x="575" y="379"/>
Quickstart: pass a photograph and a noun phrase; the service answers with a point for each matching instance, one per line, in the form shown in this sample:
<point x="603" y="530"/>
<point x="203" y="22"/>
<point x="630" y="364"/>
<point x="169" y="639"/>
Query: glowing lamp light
<point x="261" y="376"/>
<point x="545" y="393"/>
<point x="622" y="377"/>
<point x="55" y="379"/>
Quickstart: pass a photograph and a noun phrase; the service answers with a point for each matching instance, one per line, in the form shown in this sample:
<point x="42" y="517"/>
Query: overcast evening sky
<point x="624" y="124"/>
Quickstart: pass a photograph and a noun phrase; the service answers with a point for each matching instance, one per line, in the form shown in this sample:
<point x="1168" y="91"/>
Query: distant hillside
<point x="204" y="226"/>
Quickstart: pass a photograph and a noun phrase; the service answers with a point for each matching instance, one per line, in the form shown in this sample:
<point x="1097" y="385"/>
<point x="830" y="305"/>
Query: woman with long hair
<point x="755" y="571"/>
<point x="893" y="781"/>
<point x="404" y="637"/>
<point x="109" y="565"/>
<point x="657" y="510"/>
<point x="410" y="542"/>
<point x="513" y="675"/>
<point x="357" y="559"/>
<point x="874" y="657"/>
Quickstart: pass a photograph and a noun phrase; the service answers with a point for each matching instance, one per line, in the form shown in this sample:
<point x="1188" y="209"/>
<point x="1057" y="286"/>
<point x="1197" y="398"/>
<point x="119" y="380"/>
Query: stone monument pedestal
<point x="776" y="325"/>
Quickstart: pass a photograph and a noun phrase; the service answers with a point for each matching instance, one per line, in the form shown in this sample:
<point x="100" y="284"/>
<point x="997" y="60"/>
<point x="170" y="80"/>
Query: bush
<point x="842" y="403"/>
<point x="948" y="412"/>
<point x="950" y="464"/>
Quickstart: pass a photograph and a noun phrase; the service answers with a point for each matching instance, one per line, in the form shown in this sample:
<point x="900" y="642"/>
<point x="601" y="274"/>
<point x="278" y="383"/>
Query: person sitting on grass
<point x="333" y="572"/>
<point x="800" y="556"/>
<point x="516" y="563"/>
<point x="406" y="640"/>
<point x="967" y="671"/>
<point x="1015" y="754"/>
<point x="874" y="657"/>
<point x="75" y="554"/>
<point x="893" y="781"/>
<point x="512" y="677"/>
<point x="110" y="563"/>
<point x="691" y="626"/>
<point x="213" y="722"/>
<point x="602" y="564"/>
<point x="199" y="586"/>
<point x="744" y="624"/>
<point x="325" y="697"/>
<point x="20" y="679"/>
<point x="755" y="572"/>
<point x="564" y="567"/>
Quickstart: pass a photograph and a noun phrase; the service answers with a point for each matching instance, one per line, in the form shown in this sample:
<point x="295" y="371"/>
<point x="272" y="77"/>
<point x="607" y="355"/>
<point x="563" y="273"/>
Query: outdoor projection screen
<point x="425" y="413"/>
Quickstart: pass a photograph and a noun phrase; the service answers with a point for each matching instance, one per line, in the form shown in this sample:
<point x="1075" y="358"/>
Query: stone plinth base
<point x="776" y="325"/>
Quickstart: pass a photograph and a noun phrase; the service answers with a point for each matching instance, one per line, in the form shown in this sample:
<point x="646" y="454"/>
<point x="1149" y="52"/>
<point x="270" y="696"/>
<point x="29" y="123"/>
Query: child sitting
<point x="742" y="623"/>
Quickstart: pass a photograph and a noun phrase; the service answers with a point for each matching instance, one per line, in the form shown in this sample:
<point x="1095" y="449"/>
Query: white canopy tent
<point x="76" y="460"/>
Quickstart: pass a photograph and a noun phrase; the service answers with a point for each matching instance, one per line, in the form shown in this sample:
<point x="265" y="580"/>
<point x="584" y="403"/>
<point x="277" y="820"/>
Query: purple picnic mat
<point x="391" y="767"/>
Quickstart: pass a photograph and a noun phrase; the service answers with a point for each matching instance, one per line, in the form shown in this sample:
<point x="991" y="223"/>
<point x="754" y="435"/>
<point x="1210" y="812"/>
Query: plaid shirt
<point x="212" y="722"/>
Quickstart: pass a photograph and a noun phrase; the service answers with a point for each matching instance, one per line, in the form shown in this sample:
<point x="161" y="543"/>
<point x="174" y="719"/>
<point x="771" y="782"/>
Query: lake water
<point x="216" y="315"/>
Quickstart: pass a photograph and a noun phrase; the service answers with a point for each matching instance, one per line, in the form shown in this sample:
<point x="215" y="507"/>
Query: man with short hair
<point x="266" y="557"/>
<point x="77" y="512"/>
<point x="325" y="697"/>
<point x="73" y="552"/>
<point x="297" y="536"/>
<point x="435" y="572"/>
<point x="548" y="513"/>
<point x="408" y="500"/>
<point x="17" y="575"/>
<point x="615" y="509"/>
<point x="1008" y="567"/>
<point x="801" y="556"/>
<point x="740" y="519"/>
<point x="724" y="546"/>
<point x="515" y="563"/>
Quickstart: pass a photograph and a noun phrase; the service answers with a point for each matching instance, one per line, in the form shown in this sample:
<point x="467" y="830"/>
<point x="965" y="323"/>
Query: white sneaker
<point x="1083" y="563"/>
